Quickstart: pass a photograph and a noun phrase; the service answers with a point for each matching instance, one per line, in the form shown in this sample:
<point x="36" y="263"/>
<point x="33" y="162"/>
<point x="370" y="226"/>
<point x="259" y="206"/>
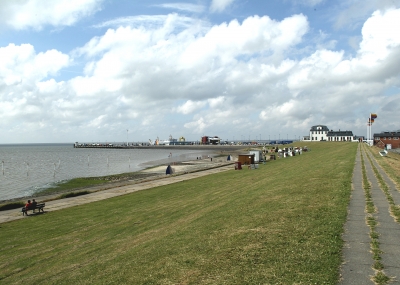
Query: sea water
<point x="28" y="168"/>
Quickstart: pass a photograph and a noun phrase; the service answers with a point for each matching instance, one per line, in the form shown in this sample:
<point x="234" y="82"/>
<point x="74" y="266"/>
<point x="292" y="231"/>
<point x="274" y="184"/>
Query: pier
<point x="221" y="147"/>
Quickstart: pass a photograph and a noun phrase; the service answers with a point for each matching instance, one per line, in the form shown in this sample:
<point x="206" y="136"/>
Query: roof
<point x="319" y="128"/>
<point x="388" y="134"/>
<point x="340" y="134"/>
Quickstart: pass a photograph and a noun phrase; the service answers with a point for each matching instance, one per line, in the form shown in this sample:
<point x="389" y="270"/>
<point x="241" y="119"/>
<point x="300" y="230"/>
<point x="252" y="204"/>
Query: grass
<point x="72" y="184"/>
<point x="68" y="188"/>
<point x="62" y="188"/>
<point x="279" y="224"/>
<point x="75" y="183"/>
<point x="390" y="163"/>
<point x="79" y="183"/>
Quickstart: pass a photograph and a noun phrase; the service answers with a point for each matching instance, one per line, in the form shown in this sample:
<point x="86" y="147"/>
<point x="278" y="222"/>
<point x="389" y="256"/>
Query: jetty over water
<point x="222" y="147"/>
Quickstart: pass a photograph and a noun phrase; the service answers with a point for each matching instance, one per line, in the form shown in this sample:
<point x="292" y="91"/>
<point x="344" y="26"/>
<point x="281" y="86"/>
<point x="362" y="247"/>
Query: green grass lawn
<point x="279" y="224"/>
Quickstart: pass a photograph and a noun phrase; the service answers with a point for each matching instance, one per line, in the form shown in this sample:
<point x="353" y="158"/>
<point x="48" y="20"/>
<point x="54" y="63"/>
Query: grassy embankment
<point x="390" y="163"/>
<point x="78" y="186"/>
<point x="279" y="224"/>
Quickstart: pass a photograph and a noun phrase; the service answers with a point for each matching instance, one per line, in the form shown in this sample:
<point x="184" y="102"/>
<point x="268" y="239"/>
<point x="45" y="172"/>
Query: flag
<point x="374" y="116"/>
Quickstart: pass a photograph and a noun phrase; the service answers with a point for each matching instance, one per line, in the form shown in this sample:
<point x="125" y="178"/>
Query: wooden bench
<point x="38" y="206"/>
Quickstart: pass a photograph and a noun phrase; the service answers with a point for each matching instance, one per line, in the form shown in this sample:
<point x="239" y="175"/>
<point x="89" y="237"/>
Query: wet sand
<point x="153" y="170"/>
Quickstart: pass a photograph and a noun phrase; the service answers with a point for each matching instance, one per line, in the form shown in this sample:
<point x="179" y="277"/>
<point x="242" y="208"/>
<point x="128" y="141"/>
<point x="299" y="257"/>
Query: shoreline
<point x="152" y="170"/>
<point x="70" y="166"/>
<point x="185" y="171"/>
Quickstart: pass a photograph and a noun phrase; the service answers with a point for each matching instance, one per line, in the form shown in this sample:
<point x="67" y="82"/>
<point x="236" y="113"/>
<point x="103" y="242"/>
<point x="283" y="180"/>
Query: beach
<point x="29" y="169"/>
<point x="152" y="170"/>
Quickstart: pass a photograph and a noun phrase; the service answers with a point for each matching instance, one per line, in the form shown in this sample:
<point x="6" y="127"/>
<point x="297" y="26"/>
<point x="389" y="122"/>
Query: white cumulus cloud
<point x="36" y="14"/>
<point x="218" y="6"/>
<point x="184" y="76"/>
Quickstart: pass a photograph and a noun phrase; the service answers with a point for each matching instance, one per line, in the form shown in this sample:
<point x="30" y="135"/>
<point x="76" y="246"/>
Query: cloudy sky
<point x="112" y="70"/>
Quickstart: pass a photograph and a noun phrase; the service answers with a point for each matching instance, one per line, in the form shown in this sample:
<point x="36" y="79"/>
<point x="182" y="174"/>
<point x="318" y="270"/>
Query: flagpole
<point x="370" y="129"/>
<point x="372" y="118"/>
<point x="370" y="123"/>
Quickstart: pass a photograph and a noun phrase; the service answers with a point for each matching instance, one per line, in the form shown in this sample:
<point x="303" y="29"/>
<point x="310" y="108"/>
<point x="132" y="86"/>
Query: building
<point x="340" y="136"/>
<point x="318" y="133"/>
<point x="210" y="140"/>
<point x="384" y="139"/>
<point x="322" y="133"/>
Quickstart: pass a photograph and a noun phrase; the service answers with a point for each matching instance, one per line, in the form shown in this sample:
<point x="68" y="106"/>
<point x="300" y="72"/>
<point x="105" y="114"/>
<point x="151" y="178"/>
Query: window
<point x="395" y="138"/>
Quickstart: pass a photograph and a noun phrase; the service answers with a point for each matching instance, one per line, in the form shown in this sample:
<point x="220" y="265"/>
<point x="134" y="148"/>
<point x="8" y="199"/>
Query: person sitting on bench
<point x="28" y="207"/>
<point x="34" y="203"/>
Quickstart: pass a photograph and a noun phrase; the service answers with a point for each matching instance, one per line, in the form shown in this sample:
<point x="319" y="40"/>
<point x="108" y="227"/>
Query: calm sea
<point x="29" y="168"/>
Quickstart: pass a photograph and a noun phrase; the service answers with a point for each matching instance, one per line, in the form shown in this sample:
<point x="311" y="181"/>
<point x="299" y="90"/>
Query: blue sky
<point x="88" y="70"/>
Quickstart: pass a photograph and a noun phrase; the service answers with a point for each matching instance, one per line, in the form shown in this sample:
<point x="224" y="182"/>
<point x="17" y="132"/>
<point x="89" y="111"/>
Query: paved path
<point x="358" y="260"/>
<point x="11" y="215"/>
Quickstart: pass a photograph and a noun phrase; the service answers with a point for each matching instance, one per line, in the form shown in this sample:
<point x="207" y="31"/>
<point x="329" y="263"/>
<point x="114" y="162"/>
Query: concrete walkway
<point x="11" y="215"/>
<point x="358" y="260"/>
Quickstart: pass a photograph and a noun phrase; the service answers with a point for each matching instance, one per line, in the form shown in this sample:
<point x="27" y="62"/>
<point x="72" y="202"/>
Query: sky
<point x="124" y="70"/>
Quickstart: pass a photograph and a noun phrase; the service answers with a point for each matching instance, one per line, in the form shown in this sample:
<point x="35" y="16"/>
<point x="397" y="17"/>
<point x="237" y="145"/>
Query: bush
<point x="73" y="194"/>
<point x="10" y="206"/>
